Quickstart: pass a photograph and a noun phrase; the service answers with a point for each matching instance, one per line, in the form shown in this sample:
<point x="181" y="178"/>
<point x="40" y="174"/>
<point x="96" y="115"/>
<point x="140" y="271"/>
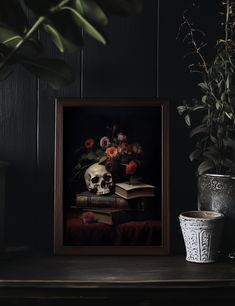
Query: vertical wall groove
<point x="157" y="46"/>
<point x="82" y="70"/>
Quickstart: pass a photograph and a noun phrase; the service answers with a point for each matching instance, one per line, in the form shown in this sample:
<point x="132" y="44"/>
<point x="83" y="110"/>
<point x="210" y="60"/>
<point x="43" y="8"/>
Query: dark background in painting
<point x="143" y="59"/>
<point x="140" y="124"/>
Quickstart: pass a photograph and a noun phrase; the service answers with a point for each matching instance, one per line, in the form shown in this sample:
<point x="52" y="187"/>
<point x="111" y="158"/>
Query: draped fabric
<point x="147" y="232"/>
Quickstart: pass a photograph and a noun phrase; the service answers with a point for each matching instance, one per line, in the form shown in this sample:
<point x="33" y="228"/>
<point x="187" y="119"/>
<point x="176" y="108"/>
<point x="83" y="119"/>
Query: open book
<point x="128" y="191"/>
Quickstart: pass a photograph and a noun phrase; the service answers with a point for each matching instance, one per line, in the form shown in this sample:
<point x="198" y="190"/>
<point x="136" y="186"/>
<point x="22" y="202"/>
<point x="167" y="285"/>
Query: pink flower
<point x="121" y="137"/>
<point x="105" y="142"/>
<point x="131" y="168"/>
<point x="137" y="149"/>
<point x="123" y="147"/>
<point x="89" y="143"/>
<point x="88" y="217"/>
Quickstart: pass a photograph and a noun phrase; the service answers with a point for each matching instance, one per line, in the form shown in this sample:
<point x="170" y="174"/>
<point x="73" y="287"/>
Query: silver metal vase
<point x="217" y="193"/>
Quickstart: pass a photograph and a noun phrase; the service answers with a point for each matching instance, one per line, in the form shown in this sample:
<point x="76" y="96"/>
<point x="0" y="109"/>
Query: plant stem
<point x="21" y="43"/>
<point x="30" y="32"/>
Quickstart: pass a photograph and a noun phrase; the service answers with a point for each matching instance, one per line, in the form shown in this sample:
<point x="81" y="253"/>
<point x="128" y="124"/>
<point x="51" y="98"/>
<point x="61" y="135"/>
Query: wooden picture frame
<point x="143" y="121"/>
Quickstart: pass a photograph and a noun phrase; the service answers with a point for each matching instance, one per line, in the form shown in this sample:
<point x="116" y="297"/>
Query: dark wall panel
<point x="127" y="67"/>
<point x="45" y="154"/>
<point x="18" y="148"/>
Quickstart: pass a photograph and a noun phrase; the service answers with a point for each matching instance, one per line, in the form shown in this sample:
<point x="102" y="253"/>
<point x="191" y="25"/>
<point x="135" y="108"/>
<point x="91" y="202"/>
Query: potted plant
<point x="212" y="115"/>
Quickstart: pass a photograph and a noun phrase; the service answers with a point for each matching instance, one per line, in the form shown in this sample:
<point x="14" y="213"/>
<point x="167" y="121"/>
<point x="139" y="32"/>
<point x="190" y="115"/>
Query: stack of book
<point x="129" y="203"/>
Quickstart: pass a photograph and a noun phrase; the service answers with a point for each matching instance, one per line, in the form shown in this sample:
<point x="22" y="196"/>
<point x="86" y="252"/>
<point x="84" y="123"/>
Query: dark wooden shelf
<point x="141" y="280"/>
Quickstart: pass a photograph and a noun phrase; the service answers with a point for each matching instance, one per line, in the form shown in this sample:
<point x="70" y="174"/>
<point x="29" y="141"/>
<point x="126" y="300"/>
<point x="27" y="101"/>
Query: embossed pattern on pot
<point x="202" y="235"/>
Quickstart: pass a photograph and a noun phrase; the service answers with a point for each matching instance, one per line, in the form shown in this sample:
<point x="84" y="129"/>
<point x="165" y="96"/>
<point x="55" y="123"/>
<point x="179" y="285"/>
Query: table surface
<point x="113" y="272"/>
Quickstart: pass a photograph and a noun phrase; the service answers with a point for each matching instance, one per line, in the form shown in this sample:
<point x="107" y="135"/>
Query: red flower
<point x="131" y="168"/>
<point x="88" y="217"/>
<point x="89" y="143"/>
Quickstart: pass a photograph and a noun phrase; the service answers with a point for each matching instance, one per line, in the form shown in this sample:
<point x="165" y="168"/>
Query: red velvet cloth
<point x="126" y="234"/>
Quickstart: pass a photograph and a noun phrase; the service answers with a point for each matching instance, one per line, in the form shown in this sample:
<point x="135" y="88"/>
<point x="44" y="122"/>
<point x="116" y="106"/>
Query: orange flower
<point x="111" y="152"/>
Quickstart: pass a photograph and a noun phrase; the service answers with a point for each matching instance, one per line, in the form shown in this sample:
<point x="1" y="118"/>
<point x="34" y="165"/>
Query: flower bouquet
<point x="121" y="158"/>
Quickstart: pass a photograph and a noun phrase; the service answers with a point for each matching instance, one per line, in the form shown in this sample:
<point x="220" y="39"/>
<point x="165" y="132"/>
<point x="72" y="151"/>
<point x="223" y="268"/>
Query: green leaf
<point x="229" y="115"/>
<point x="91" y="155"/>
<point x="103" y="158"/>
<point x="86" y="25"/>
<point x="92" y="11"/>
<point x="64" y="31"/>
<point x="194" y="155"/>
<point x="217" y="105"/>
<point x="199" y="129"/>
<point x="197" y="107"/>
<point x="70" y="41"/>
<point x="205" y="166"/>
<point x="54" y="71"/>
<point x="8" y="37"/>
<point x="55" y="36"/>
<point x="203" y="86"/>
<point x="204" y="99"/>
<point x="181" y="109"/>
<point x="12" y="16"/>
<point x="187" y="120"/>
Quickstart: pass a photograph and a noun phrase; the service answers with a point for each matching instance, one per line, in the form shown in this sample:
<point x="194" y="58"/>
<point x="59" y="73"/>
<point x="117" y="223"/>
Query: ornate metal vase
<point x="217" y="193"/>
<point x="202" y="232"/>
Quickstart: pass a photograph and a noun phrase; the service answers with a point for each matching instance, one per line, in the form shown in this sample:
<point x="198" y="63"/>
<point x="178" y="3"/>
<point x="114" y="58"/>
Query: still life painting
<point x="111" y="176"/>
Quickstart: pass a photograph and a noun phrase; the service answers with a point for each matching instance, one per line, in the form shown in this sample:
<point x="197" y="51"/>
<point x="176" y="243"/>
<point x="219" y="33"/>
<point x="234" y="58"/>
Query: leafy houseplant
<point x="214" y="132"/>
<point x="63" y="21"/>
<point x="214" y="117"/>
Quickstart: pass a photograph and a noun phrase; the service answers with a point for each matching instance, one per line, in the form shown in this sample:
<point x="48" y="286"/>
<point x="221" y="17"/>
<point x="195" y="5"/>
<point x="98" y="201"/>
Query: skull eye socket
<point x="95" y="179"/>
<point x="107" y="177"/>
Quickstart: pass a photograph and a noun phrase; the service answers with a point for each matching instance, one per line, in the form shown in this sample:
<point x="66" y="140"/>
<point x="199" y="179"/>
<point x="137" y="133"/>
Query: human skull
<point x="98" y="179"/>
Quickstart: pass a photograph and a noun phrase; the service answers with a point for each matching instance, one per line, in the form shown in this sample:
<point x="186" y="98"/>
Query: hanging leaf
<point x="199" y="129"/>
<point x="57" y="39"/>
<point x="9" y="37"/>
<point x="203" y="86"/>
<point x="205" y="166"/>
<point x="54" y="71"/>
<point x="181" y="109"/>
<point x="64" y="32"/>
<point x="91" y="10"/>
<point x="187" y="120"/>
<point x="194" y="155"/>
<point x="85" y="24"/>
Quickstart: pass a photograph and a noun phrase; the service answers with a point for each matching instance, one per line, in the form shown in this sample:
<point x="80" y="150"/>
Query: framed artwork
<point x="111" y="180"/>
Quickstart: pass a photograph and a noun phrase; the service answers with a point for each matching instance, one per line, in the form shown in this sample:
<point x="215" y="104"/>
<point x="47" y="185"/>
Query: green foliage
<point x="214" y="113"/>
<point x="63" y="21"/>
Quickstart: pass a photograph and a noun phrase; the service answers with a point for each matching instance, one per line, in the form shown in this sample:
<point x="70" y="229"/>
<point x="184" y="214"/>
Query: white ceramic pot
<point x="202" y="231"/>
